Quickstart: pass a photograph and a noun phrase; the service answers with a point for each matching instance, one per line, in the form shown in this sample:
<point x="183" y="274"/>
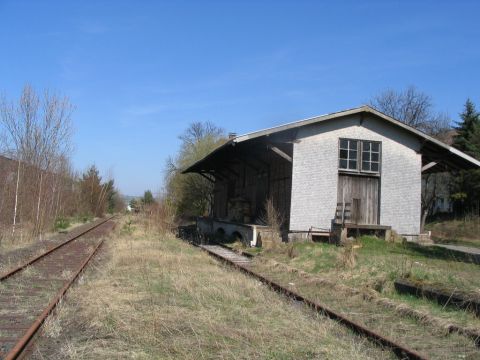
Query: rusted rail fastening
<point x="401" y="351"/>
<point x="49" y="251"/>
<point x="24" y="341"/>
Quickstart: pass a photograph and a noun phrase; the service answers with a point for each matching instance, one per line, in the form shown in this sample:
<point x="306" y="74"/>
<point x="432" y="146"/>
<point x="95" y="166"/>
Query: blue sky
<point x="139" y="72"/>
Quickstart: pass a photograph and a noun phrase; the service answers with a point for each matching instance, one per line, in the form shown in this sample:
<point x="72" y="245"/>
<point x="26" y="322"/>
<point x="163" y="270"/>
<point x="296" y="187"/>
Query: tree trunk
<point x="16" y="198"/>
<point x="37" y="224"/>
<point x="423" y="220"/>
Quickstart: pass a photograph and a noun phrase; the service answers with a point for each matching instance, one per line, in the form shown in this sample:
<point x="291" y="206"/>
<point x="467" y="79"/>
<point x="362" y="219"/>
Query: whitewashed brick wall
<point x="315" y="173"/>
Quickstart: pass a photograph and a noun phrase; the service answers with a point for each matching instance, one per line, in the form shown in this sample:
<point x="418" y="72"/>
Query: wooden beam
<point x="217" y="174"/>
<point x="429" y="166"/>
<point x="207" y="177"/>
<point x="281" y="153"/>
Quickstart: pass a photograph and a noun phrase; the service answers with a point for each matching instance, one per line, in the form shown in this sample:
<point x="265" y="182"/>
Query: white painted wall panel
<point x="315" y="173"/>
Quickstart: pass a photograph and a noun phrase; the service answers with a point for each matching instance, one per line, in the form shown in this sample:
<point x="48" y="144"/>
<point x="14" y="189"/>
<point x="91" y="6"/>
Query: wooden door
<point x="362" y="192"/>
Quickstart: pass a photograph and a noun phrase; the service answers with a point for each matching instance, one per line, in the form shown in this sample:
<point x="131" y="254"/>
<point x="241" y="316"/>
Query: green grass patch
<point x="61" y="223"/>
<point x="378" y="263"/>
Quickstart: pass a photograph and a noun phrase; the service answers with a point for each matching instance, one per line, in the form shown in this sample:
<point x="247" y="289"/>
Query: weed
<point x="272" y="236"/>
<point x="346" y="258"/>
<point x="61" y="223"/>
<point x="127" y="227"/>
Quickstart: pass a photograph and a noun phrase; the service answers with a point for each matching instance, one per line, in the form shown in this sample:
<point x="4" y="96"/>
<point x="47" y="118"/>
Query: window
<point x="348" y="154"/>
<point x="359" y="155"/>
<point x="370" y="156"/>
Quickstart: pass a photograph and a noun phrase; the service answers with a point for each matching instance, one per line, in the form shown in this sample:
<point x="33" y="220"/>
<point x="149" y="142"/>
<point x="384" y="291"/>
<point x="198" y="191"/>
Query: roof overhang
<point x="434" y="149"/>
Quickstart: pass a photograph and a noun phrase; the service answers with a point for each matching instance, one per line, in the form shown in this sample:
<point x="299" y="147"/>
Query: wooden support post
<point x="343" y="235"/>
<point x="279" y="152"/>
<point x="429" y="166"/>
<point x="217" y="174"/>
<point x="207" y="177"/>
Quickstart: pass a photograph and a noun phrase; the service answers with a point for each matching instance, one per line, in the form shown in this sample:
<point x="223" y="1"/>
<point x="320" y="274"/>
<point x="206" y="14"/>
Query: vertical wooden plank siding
<point x="363" y="193"/>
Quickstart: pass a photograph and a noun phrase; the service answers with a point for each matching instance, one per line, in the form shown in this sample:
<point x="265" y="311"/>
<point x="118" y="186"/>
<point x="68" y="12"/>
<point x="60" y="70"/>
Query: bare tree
<point x="415" y="109"/>
<point x="433" y="185"/>
<point x="412" y="107"/>
<point x="37" y="132"/>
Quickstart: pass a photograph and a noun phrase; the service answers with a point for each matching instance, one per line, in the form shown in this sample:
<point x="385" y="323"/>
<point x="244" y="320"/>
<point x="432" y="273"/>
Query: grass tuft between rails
<point x="155" y="297"/>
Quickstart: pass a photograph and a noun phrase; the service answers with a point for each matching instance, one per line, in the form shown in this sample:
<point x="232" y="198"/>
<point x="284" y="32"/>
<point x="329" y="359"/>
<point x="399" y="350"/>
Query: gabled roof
<point x="466" y="160"/>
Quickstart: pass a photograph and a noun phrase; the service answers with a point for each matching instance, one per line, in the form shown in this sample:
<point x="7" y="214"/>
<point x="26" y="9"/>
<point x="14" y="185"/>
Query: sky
<point x="139" y="72"/>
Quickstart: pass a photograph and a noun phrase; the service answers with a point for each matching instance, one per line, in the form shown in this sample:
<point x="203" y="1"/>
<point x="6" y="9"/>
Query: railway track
<point x="247" y="266"/>
<point x="30" y="291"/>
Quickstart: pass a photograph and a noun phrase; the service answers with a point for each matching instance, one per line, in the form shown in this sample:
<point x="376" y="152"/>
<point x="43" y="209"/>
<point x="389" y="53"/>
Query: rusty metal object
<point x="36" y="258"/>
<point x="398" y="349"/>
<point x="32" y="294"/>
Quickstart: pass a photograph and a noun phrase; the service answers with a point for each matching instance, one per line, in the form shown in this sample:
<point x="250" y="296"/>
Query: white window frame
<point x="359" y="159"/>
<point x="348" y="159"/>
<point x="370" y="152"/>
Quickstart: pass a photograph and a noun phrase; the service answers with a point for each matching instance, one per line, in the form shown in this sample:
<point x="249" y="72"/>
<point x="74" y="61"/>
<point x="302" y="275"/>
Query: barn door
<point x="362" y="192"/>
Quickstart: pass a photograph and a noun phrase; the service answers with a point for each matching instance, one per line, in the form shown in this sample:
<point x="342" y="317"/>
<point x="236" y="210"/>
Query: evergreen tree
<point x="466" y="185"/>
<point x="148" y="198"/>
<point x="135" y="205"/>
<point x="112" y="197"/>
<point x="97" y="196"/>
<point x="474" y="142"/>
<point x="466" y="129"/>
<point x="91" y="190"/>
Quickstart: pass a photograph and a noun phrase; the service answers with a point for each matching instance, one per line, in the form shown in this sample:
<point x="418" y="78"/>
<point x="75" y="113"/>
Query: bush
<point x="61" y="223"/>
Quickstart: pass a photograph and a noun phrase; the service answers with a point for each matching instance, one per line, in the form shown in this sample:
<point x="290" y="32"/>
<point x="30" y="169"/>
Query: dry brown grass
<point x="23" y="236"/>
<point x="429" y="335"/>
<point x="272" y="237"/>
<point x="347" y="258"/>
<point x="156" y="297"/>
<point x="462" y="232"/>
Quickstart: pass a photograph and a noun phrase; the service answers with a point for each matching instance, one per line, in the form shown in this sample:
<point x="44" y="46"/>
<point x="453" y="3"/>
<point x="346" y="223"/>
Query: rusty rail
<point x="49" y="251"/>
<point x="400" y="350"/>
<point x="25" y="340"/>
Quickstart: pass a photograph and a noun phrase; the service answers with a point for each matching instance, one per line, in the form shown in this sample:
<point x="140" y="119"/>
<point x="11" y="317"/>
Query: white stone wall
<point x="315" y="173"/>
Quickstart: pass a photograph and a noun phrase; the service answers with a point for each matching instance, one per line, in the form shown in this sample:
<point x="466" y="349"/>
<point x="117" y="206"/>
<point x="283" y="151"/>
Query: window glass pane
<point x="353" y="144"/>
<point x="343" y="154"/>
<point x="374" y="167"/>
<point x="366" y="156"/>
<point x="375" y="147"/>
<point x="343" y="164"/>
<point x="352" y="154"/>
<point x="375" y="156"/>
<point x="352" y="164"/>
<point x="343" y="144"/>
<point x="365" y="166"/>
<point x="366" y="146"/>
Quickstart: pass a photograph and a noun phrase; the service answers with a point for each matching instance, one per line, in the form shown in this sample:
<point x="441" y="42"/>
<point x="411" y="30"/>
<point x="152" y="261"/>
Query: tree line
<point x="37" y="182"/>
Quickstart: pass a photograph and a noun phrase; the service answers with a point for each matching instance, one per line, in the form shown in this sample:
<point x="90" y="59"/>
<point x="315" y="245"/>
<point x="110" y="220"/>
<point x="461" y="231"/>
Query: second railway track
<point x="436" y="349"/>
<point x="30" y="291"/>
